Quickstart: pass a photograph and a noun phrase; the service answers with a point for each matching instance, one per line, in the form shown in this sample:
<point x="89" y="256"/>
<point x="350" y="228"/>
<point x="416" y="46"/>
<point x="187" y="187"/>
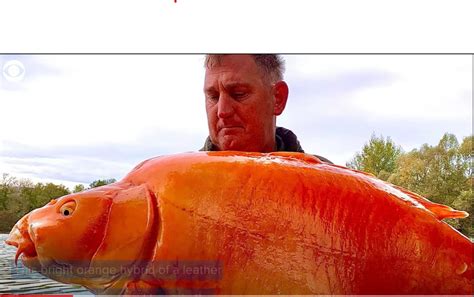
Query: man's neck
<point x="271" y="146"/>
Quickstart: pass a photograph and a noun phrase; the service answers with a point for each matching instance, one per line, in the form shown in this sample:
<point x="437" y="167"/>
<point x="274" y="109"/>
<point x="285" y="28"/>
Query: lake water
<point x="20" y="280"/>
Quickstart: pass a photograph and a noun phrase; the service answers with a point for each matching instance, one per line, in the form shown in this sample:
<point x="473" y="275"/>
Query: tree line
<point x="20" y="196"/>
<point x="442" y="173"/>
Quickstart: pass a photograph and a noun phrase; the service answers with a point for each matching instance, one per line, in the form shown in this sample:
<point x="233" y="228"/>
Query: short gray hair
<point x="273" y="66"/>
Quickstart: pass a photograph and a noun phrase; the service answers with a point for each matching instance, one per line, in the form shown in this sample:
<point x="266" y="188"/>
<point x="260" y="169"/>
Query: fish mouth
<point x="20" y="238"/>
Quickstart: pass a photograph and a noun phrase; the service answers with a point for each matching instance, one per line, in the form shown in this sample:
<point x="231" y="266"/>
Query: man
<point x="244" y="95"/>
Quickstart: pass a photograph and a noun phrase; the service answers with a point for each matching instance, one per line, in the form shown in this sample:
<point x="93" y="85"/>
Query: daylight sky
<point x="74" y="119"/>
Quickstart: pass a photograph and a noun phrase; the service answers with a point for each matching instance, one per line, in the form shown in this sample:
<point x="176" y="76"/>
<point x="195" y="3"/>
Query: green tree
<point x="467" y="154"/>
<point x="40" y="194"/>
<point x="101" y="182"/>
<point x="7" y="187"/>
<point x="441" y="173"/>
<point x="78" y="188"/>
<point x="52" y="191"/>
<point x="411" y="171"/>
<point x="28" y="197"/>
<point x="436" y="172"/>
<point x="378" y="156"/>
<point x="18" y="197"/>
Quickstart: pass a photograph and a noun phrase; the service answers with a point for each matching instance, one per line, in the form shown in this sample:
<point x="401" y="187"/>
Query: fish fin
<point x="439" y="210"/>
<point x="131" y="220"/>
<point x="299" y="156"/>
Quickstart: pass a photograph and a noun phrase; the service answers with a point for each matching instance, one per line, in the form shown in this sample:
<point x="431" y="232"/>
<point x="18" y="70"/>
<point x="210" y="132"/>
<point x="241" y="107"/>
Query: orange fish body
<point x="248" y="223"/>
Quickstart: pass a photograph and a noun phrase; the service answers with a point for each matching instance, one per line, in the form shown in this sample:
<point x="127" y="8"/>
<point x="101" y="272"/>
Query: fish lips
<point x="20" y="238"/>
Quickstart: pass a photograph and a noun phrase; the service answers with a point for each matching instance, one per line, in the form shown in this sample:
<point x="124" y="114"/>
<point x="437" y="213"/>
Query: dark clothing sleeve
<point x="288" y="142"/>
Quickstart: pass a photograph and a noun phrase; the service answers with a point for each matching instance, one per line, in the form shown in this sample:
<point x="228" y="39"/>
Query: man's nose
<point x="225" y="106"/>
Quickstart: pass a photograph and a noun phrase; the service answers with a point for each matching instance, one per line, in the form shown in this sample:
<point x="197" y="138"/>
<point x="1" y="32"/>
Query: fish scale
<point x="283" y="223"/>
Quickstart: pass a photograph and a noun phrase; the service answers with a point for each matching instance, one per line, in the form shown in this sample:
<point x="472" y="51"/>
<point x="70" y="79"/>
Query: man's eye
<point x="239" y="95"/>
<point x="213" y="97"/>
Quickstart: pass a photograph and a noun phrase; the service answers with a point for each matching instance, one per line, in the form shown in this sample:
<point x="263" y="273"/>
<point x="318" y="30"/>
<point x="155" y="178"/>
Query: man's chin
<point x="231" y="145"/>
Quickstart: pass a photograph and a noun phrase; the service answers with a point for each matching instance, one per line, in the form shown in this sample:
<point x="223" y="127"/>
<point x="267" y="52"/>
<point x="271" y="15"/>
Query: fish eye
<point x="68" y="208"/>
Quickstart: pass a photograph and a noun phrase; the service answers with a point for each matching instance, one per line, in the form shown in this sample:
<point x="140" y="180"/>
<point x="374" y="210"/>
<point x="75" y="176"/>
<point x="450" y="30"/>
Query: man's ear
<point x="281" y="91"/>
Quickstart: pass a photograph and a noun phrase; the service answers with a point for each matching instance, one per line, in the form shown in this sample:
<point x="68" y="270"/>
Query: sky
<point x="73" y="119"/>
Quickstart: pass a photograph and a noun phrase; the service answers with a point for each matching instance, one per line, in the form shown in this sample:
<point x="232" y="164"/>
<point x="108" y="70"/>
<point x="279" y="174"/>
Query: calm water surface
<point x="20" y="280"/>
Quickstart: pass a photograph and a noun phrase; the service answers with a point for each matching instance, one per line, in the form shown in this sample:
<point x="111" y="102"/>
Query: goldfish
<point x="247" y="223"/>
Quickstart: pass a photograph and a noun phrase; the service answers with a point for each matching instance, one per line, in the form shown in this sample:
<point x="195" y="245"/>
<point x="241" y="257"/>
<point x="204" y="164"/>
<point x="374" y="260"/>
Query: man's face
<point x="239" y="105"/>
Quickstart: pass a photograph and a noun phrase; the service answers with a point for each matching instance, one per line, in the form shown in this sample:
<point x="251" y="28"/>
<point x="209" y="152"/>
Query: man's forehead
<point x="231" y="84"/>
<point x="230" y="79"/>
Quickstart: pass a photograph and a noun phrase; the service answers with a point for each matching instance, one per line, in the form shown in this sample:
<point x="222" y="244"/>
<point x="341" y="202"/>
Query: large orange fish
<point x="247" y="223"/>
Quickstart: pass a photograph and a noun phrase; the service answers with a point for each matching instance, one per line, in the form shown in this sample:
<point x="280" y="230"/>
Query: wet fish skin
<point x="277" y="223"/>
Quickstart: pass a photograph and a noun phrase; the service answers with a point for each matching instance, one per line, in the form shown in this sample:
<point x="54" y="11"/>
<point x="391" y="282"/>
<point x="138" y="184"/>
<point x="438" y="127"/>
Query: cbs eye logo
<point x="13" y="71"/>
